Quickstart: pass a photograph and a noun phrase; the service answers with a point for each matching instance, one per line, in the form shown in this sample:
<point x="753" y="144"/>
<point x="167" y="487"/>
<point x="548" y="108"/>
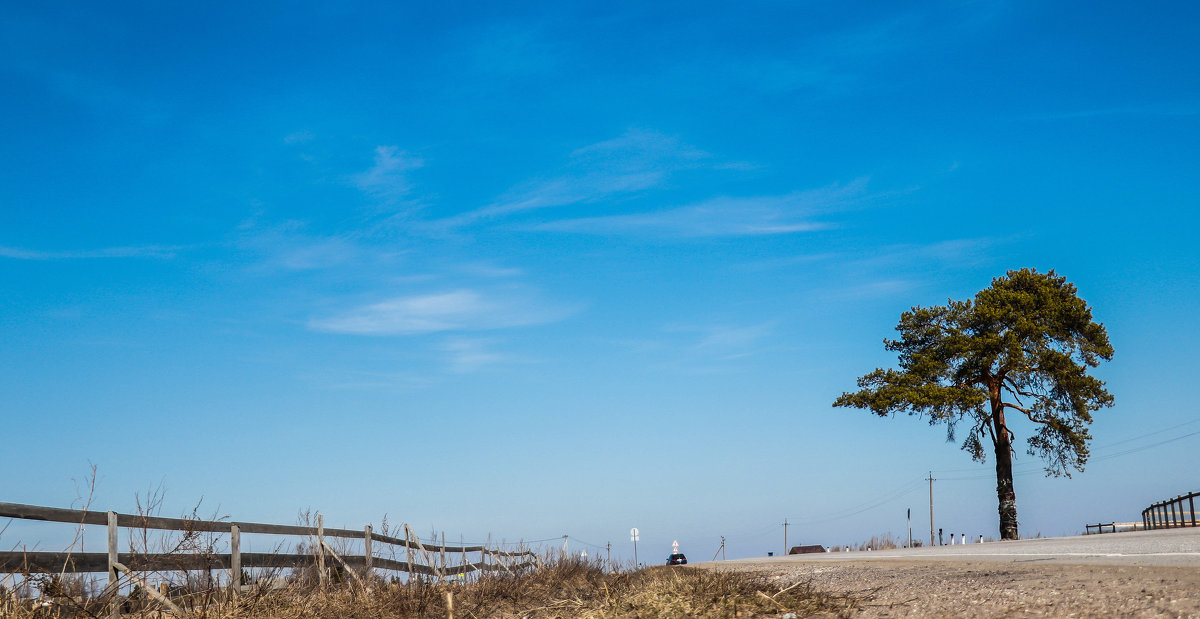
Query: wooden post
<point x="408" y="554"/>
<point x="367" y="556"/>
<point x="449" y="605"/>
<point x="425" y="552"/>
<point x="1192" y="507"/>
<point x="235" y="558"/>
<point x="321" y="575"/>
<point x="114" y="609"/>
<point x="161" y="599"/>
<point x="345" y="566"/>
<point x="442" y="555"/>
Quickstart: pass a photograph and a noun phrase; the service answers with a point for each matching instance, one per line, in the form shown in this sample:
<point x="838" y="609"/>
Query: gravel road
<point x="1148" y="574"/>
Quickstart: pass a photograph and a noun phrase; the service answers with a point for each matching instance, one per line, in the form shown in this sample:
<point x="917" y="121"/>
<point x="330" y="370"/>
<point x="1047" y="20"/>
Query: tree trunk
<point x="1004" y="477"/>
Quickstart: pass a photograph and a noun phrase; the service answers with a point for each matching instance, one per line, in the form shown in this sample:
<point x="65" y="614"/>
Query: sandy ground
<point x="907" y="588"/>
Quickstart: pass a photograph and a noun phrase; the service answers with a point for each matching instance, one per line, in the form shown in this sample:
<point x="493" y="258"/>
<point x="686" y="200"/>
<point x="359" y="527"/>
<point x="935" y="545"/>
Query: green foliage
<point x="1024" y="344"/>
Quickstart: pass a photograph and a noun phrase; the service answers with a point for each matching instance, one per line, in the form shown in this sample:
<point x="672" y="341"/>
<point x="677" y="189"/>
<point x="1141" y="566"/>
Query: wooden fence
<point x="1170" y="513"/>
<point x="419" y="558"/>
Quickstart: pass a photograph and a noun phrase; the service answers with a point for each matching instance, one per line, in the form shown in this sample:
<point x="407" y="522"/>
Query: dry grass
<point x="563" y="588"/>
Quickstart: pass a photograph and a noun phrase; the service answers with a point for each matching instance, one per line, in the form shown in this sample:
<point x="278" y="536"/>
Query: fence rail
<point x="1170" y="514"/>
<point x="419" y="559"/>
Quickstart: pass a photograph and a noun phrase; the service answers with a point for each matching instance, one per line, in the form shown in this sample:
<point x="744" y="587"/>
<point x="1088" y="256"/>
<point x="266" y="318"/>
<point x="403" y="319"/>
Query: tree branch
<point x="1010" y="385"/>
<point x="1022" y="409"/>
<point x="1027" y="412"/>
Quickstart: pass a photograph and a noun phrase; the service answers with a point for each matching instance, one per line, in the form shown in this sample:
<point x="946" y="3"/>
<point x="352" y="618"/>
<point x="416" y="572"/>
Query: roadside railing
<point x="423" y="560"/>
<point x="1172" y="513"/>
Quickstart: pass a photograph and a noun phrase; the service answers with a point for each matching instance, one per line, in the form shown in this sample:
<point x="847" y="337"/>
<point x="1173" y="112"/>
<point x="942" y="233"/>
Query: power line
<point x="1104" y="447"/>
<point x="1131" y="439"/>
<point x="1145" y="447"/>
<point x="576" y="539"/>
<point x="1020" y="470"/>
<point x="867" y="506"/>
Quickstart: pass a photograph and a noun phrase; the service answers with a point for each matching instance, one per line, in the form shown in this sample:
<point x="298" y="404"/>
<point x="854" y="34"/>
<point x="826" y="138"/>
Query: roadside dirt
<point x="990" y="589"/>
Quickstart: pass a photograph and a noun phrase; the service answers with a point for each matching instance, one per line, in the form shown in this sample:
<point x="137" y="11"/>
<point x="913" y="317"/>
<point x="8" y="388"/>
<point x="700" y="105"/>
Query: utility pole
<point x="785" y="546"/>
<point x="633" y="537"/>
<point x="930" y="478"/>
<point x="721" y="550"/>
<point x="608" y="548"/>
<point x="909" y="511"/>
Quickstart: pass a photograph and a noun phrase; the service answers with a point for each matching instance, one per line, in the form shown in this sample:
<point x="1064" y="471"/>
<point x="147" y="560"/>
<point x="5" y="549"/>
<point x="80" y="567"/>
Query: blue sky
<point x="543" y="269"/>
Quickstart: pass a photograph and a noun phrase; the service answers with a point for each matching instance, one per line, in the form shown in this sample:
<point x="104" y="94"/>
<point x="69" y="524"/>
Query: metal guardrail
<point x="1171" y="513"/>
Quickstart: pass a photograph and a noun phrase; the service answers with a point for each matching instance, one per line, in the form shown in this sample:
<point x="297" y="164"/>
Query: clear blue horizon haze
<point x="526" y="270"/>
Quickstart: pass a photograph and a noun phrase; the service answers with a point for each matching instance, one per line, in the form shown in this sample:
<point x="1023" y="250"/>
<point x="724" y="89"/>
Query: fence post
<point x="235" y="558"/>
<point x="321" y="575"/>
<point x="1192" y="506"/>
<point x="408" y="555"/>
<point x="367" y="555"/>
<point x="114" y="609"/>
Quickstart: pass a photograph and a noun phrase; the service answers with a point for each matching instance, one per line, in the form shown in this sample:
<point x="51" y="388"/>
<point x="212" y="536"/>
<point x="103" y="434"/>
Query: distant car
<point x="677" y="559"/>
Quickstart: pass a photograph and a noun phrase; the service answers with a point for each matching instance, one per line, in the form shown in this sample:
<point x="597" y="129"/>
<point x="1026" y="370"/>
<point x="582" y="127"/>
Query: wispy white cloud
<point x="957" y="252"/>
<point x="290" y="246"/>
<point x="710" y="348"/>
<point x="732" y="339"/>
<point x="634" y="162"/>
<point x="902" y="269"/>
<point x="719" y="217"/>
<point x="876" y="289"/>
<point x="725" y="216"/>
<point x="145" y="251"/>
<point x="299" y="137"/>
<point x="456" y="310"/>
<point x="489" y="270"/>
<point x="387" y="180"/>
<point x="464" y="355"/>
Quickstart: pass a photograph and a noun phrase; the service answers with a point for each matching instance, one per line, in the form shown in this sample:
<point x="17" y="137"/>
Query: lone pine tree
<point x="1023" y="345"/>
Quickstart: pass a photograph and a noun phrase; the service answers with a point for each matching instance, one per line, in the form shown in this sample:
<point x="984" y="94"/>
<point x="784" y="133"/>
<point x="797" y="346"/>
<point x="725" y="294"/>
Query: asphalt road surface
<point x="1170" y="547"/>
<point x="1134" y="574"/>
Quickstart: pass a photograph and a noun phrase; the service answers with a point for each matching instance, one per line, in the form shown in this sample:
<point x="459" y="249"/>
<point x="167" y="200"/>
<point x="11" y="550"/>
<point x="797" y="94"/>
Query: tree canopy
<point x="1024" y="344"/>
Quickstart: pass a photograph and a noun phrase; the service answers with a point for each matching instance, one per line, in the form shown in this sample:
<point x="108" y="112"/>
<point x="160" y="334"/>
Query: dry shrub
<point x="560" y="589"/>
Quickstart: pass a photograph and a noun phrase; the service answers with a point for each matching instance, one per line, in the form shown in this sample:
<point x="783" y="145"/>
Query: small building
<point x="803" y="550"/>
